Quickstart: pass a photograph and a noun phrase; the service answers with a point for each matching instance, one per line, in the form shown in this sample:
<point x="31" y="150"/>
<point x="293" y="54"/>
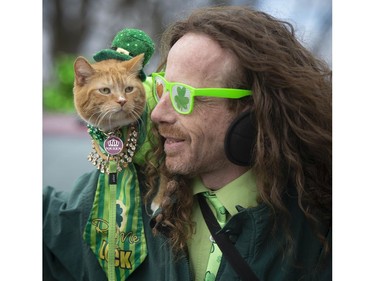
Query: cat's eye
<point x="129" y="89"/>
<point x="105" y="91"/>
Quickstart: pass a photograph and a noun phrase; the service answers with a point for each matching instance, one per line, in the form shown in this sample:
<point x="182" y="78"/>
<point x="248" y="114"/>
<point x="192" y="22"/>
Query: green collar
<point x="241" y="191"/>
<point x="100" y="156"/>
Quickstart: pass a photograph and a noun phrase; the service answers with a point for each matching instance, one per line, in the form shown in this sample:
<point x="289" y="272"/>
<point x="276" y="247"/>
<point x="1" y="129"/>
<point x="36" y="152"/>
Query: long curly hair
<point x="291" y="103"/>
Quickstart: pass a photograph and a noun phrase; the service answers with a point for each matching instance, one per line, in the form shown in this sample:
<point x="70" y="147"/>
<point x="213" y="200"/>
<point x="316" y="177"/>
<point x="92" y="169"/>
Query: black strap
<point x="229" y="251"/>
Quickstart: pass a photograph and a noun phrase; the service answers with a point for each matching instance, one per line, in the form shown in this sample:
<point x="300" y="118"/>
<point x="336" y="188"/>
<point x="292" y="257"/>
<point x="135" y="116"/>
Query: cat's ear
<point x="136" y="63"/>
<point x="82" y="70"/>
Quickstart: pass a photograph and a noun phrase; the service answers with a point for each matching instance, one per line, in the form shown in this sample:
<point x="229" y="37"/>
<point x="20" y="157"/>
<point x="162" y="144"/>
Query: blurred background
<point x="83" y="27"/>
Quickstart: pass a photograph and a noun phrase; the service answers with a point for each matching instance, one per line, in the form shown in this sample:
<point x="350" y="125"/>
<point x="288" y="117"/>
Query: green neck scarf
<point x="114" y="230"/>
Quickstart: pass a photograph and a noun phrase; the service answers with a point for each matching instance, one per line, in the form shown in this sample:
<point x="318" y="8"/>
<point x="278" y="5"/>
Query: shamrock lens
<point x="180" y="95"/>
<point x="181" y="99"/>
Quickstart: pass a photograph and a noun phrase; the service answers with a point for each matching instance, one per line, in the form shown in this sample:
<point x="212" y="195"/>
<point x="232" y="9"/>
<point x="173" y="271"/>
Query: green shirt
<point x="242" y="191"/>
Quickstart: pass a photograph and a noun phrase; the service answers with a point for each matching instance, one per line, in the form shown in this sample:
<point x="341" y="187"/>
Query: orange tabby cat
<point x="109" y="94"/>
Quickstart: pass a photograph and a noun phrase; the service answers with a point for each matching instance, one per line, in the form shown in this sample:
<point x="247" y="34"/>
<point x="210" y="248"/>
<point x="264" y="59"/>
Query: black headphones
<point x="240" y="139"/>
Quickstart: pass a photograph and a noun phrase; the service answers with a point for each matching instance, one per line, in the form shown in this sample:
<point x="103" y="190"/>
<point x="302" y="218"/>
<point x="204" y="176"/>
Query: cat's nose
<point x="121" y="101"/>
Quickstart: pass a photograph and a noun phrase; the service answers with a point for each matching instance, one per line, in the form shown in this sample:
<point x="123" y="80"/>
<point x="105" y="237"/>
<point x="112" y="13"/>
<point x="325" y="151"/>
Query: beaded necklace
<point x="109" y="146"/>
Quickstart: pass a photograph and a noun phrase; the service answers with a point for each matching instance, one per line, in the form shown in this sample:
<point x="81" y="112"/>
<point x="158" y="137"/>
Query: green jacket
<point x="67" y="257"/>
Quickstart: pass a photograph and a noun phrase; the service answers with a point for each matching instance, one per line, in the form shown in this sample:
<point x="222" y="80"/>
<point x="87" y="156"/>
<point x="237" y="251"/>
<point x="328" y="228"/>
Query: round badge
<point x="113" y="145"/>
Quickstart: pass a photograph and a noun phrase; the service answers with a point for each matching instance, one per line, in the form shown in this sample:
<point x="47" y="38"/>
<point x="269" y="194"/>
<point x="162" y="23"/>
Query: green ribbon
<point x="112" y="220"/>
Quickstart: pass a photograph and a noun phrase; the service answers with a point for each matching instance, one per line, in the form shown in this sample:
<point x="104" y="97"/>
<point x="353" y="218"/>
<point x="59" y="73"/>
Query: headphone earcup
<point x="240" y="139"/>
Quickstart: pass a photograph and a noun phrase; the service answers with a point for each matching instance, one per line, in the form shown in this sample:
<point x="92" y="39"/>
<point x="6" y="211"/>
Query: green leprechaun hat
<point x="127" y="44"/>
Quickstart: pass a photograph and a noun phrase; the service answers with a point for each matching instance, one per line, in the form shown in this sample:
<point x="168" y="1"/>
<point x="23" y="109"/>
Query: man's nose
<point x="163" y="111"/>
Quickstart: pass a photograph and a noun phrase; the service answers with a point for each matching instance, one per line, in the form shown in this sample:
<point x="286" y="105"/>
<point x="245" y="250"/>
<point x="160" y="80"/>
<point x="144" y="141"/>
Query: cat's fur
<point x="109" y="94"/>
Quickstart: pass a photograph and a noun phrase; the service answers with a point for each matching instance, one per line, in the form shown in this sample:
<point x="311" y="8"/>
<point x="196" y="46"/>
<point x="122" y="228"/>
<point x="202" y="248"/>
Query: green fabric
<point x="144" y="137"/>
<point x="111" y="272"/>
<point x="245" y="194"/>
<point x="125" y="229"/>
<point x="214" y="258"/>
<point x="132" y="41"/>
<point x="66" y="257"/>
<point x="199" y="246"/>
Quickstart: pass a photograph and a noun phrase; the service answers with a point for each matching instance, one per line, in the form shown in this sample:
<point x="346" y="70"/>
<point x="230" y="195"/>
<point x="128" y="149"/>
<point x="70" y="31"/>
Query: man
<point x="244" y="117"/>
<point x="276" y="188"/>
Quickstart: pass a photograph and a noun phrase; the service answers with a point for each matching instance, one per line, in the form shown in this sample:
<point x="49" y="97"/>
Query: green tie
<point x="215" y="252"/>
<point x="114" y="230"/>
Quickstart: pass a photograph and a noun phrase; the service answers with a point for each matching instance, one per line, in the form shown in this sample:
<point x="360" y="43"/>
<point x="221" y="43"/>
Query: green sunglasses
<point x="182" y="95"/>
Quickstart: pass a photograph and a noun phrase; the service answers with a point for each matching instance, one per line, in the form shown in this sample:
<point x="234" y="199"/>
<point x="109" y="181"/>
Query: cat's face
<point x="109" y="94"/>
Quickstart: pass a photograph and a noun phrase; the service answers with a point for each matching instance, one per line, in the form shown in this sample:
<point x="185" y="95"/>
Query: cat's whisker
<point x="101" y="117"/>
<point x="137" y="117"/>
<point x="90" y="120"/>
<point x="93" y="121"/>
<point x="111" y="113"/>
<point x="138" y="109"/>
<point x="108" y="115"/>
<point x="133" y="114"/>
<point x="140" y="123"/>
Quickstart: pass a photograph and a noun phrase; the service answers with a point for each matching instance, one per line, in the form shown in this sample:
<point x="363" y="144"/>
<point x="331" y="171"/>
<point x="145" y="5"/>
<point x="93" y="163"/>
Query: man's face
<point x="194" y="143"/>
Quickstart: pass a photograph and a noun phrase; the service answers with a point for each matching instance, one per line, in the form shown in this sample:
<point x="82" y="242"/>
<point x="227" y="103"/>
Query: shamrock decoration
<point x="209" y="276"/>
<point x="180" y="100"/>
<point x="222" y="210"/>
<point x="119" y="218"/>
<point x="212" y="247"/>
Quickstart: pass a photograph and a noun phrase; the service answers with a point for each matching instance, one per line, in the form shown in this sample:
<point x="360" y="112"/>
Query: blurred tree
<point x="58" y="96"/>
<point x="68" y="24"/>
